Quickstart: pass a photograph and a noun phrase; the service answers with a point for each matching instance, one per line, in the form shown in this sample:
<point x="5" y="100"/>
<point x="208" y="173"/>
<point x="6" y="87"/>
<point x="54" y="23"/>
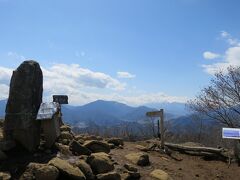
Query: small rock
<point x="116" y="141"/>
<point x="112" y="146"/>
<point x="66" y="135"/>
<point x="100" y="163"/>
<point x="64" y="149"/>
<point x="109" y="176"/>
<point x="86" y="169"/>
<point x="65" y="128"/>
<point x="141" y="148"/>
<point x="133" y="175"/>
<point x="5" y="176"/>
<point x="78" y="149"/>
<point x="160" y="174"/>
<point x="67" y="170"/>
<point x="97" y="146"/>
<point x="140" y="159"/>
<point x="65" y="141"/>
<point x="130" y="167"/>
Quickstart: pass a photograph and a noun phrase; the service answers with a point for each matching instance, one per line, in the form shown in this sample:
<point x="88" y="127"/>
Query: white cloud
<point x="210" y="55"/>
<point x="84" y="86"/>
<point x="126" y="75"/>
<point x="230" y="40"/>
<point x="15" y="56"/>
<point x="74" y="76"/>
<point x="4" y="89"/>
<point x="231" y="57"/>
<point x="81" y="97"/>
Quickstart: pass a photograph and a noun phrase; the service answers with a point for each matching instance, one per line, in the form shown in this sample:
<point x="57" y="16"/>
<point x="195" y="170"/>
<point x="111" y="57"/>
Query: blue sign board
<point x="231" y="133"/>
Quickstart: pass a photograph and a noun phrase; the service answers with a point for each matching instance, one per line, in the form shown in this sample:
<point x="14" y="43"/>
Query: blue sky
<point x="133" y="51"/>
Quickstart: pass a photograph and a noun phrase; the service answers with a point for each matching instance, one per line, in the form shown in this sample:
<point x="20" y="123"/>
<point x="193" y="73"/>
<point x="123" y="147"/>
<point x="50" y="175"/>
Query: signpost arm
<point x="162" y="129"/>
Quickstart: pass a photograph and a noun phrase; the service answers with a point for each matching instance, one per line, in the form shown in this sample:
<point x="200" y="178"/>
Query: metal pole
<point x="162" y="128"/>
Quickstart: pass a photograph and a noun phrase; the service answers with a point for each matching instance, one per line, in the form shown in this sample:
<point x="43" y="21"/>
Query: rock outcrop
<point x="24" y="100"/>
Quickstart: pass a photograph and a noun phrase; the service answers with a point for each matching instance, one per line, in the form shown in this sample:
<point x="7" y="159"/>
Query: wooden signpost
<point x="159" y="114"/>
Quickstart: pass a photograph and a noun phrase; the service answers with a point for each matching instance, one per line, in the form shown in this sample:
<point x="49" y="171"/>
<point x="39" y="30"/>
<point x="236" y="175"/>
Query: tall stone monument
<point x="25" y="97"/>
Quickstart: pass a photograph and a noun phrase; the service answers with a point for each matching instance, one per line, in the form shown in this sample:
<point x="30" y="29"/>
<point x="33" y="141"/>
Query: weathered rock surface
<point x="31" y="170"/>
<point x="63" y="149"/>
<point x="160" y="175"/>
<point x="24" y="100"/>
<point x="3" y="156"/>
<point x="78" y="149"/>
<point x="116" y="141"/>
<point x="100" y="163"/>
<point x="86" y="169"/>
<point x="97" y="146"/>
<point x="5" y="176"/>
<point x="67" y="170"/>
<point x="46" y="172"/>
<point x="109" y="176"/>
<point x="140" y="159"/>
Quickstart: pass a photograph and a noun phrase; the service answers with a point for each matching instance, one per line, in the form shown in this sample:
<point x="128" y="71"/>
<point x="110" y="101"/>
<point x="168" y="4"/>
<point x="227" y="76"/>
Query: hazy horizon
<point x="136" y="52"/>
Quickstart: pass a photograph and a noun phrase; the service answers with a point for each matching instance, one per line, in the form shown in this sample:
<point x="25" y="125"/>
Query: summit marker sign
<point x="231" y="133"/>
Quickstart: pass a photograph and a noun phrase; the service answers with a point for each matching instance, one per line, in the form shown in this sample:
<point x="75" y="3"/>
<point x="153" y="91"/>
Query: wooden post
<point x="162" y="128"/>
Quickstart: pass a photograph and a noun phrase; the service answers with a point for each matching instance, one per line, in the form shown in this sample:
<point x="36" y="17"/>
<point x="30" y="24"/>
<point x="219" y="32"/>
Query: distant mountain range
<point x="109" y="112"/>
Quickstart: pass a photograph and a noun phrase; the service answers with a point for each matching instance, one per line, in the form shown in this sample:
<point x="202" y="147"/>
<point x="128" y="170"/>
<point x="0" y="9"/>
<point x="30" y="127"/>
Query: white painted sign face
<point x="231" y="133"/>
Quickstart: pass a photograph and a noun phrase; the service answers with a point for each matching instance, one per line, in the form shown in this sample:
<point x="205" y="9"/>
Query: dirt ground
<point x="185" y="167"/>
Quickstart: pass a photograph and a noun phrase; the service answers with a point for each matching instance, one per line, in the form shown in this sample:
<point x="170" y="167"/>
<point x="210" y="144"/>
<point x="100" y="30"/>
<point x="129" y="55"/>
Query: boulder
<point x="78" y="149"/>
<point x="67" y="171"/>
<point x="47" y="173"/>
<point x="25" y="98"/>
<point x="5" y="176"/>
<point x="100" y="162"/>
<point x="109" y="176"/>
<point x="140" y="159"/>
<point x="116" y="141"/>
<point x="160" y="175"/>
<point x="65" y="128"/>
<point x="3" y="156"/>
<point x="86" y="169"/>
<point x="30" y="171"/>
<point x="97" y="146"/>
<point x="7" y="145"/>
<point x="142" y="148"/>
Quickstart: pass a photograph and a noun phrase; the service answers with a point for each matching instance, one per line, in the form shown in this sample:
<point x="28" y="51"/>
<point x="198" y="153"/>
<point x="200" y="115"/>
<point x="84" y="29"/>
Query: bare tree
<point x="221" y="99"/>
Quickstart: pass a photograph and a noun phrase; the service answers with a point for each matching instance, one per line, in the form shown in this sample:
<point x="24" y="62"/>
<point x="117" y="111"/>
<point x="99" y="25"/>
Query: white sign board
<point x="231" y="133"/>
